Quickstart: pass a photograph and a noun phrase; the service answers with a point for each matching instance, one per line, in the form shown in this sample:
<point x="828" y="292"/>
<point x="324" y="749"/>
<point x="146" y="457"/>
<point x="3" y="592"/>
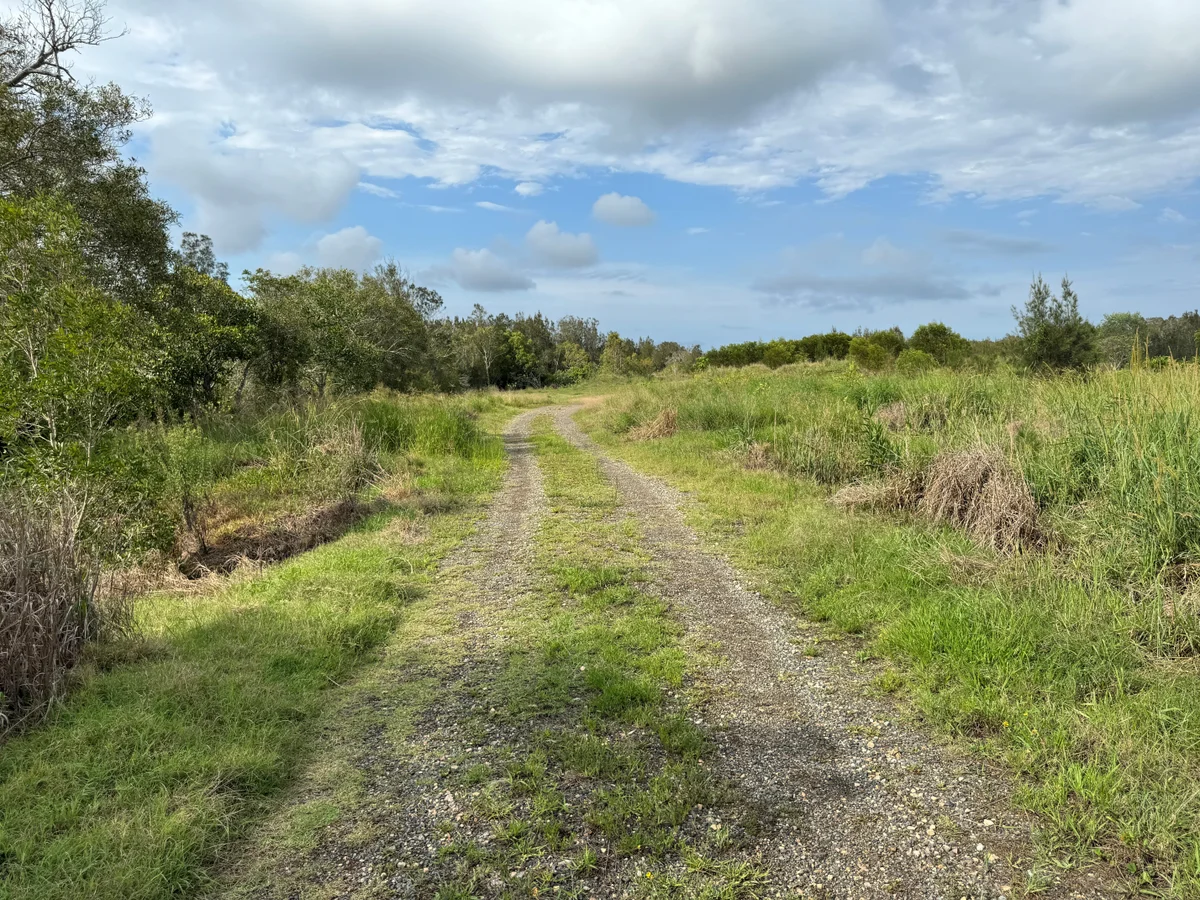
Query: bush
<point x="915" y="362"/>
<point x="941" y="342"/>
<point x="1052" y="332"/>
<point x="866" y="354"/>
<point x="48" y="608"/>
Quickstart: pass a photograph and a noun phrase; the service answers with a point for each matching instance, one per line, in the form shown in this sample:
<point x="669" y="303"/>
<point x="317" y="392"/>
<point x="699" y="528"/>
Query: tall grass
<point x="1077" y="660"/>
<point x="1112" y="458"/>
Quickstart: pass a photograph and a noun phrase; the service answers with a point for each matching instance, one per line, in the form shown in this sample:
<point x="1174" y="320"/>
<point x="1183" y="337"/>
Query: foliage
<point x="868" y="354"/>
<point x="915" y="362"/>
<point x="945" y="345"/>
<point x="1053" y="334"/>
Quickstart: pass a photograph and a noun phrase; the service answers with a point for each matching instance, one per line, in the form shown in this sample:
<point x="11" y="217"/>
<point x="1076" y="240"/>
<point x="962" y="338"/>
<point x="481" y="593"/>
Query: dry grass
<point x="896" y="492"/>
<point x="48" y="602"/>
<point x="758" y="457"/>
<point x="976" y="490"/>
<point x="893" y="416"/>
<point x="661" y="426"/>
<point x="979" y="491"/>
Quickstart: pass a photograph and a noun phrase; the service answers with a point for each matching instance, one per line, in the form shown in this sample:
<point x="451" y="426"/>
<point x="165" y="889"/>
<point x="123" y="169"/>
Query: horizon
<point x="709" y="175"/>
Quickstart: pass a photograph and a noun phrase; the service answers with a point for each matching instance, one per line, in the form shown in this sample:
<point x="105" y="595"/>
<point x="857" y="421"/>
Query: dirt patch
<point x="661" y="426"/>
<point x="271" y="542"/>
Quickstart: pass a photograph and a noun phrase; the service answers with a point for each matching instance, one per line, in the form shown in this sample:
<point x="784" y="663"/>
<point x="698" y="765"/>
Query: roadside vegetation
<point x="1021" y="548"/>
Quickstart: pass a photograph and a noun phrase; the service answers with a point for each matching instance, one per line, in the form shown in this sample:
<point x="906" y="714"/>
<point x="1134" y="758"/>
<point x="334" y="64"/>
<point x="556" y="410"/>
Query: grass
<point x="607" y="770"/>
<point x="1069" y="663"/>
<point x="171" y="747"/>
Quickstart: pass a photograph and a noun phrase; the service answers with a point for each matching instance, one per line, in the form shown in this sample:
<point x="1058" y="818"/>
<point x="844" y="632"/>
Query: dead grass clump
<point x="48" y="602"/>
<point x="893" y="416"/>
<point x="979" y="491"/>
<point x="661" y="426"/>
<point x="894" y="493"/>
<point x="758" y="457"/>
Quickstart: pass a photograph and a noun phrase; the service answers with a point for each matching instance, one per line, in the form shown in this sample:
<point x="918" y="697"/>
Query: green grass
<point x="605" y="769"/>
<point x="170" y="749"/>
<point x="1062" y="663"/>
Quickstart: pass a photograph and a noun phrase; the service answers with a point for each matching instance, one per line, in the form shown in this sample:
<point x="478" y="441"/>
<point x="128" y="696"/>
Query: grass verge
<point x="171" y="748"/>
<point x="1019" y="655"/>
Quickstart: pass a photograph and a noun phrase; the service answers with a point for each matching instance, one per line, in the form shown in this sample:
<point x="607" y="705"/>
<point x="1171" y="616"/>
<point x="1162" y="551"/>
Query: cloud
<point x="1087" y="102"/>
<point x="883" y="253"/>
<point x="378" y="190"/>
<point x="1172" y="216"/>
<point x="483" y="270"/>
<point x="615" y="209"/>
<point x="495" y="207"/>
<point x="860" y="291"/>
<point x="696" y="229"/>
<point x="994" y="244"/>
<point x="561" y="249"/>
<point x="237" y="189"/>
<point x="351" y="248"/>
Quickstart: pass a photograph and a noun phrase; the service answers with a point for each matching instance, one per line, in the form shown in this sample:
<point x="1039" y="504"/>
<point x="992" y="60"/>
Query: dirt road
<point x="802" y="780"/>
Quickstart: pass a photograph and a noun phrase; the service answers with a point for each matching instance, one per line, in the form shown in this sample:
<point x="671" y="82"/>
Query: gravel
<point x="857" y="803"/>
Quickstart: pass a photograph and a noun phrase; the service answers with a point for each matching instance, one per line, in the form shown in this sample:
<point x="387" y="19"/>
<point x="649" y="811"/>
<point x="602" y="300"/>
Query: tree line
<point x="1050" y="334"/>
<point x="105" y="320"/>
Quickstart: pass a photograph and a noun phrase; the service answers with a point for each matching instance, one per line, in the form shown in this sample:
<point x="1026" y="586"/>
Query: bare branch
<point x="33" y="43"/>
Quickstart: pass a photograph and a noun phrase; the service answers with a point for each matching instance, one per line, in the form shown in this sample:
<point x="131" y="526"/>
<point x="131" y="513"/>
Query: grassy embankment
<point x="1075" y="659"/>
<point x="172" y="743"/>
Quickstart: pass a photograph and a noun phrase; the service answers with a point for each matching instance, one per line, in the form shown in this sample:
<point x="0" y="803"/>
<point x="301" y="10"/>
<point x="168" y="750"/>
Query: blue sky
<point x="767" y="168"/>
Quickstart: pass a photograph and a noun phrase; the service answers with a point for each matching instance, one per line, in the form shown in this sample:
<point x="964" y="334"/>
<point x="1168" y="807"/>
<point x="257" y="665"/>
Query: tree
<point x="1052" y="332"/>
<point x="1117" y="335"/>
<point x="73" y="361"/>
<point x="945" y="345"/>
<point x="58" y="137"/>
<point x="196" y="252"/>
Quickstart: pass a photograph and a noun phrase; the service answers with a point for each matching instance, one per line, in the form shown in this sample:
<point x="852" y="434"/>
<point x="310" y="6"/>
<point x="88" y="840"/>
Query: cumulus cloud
<point x="351" y="248"/>
<point x="561" y="249"/>
<point x="615" y="209"/>
<point x="483" y="270"/>
<point x="276" y="108"/>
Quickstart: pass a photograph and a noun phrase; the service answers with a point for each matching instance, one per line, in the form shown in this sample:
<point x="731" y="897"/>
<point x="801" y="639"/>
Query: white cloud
<point x="628" y="212"/>
<point x="483" y="270"/>
<point x="378" y="190"/>
<point x="351" y="248"/>
<point x="696" y="229"/>
<point x="495" y="207"/>
<point x="561" y="249"/>
<point x="277" y="108"/>
<point x="1172" y="216"/>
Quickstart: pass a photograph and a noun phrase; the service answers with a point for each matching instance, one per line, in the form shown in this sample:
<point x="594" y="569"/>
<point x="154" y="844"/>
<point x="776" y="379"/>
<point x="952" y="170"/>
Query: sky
<point x="706" y="171"/>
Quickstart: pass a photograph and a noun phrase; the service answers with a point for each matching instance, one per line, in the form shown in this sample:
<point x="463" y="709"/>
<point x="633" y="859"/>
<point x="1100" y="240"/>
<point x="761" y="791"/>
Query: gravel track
<point x="857" y="804"/>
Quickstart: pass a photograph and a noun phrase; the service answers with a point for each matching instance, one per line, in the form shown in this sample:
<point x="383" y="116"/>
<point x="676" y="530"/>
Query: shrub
<point x="48" y="601"/>
<point x="941" y="342"/>
<point x="915" y="362"/>
<point x="866" y="354"/>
